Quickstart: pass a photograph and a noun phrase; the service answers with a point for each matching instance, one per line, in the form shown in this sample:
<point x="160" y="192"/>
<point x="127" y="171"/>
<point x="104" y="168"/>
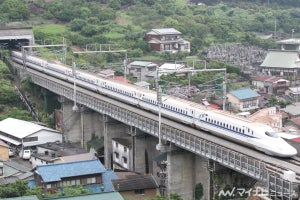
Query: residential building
<point x="289" y="44"/>
<point x="23" y="134"/>
<point x="108" y="73"/>
<point x="122" y="153"/>
<point x="55" y="152"/>
<point x="293" y="93"/>
<point x="167" y="39"/>
<point x="293" y="110"/>
<point x="4" y="151"/>
<point x="243" y="99"/>
<point x="270" y="116"/>
<point x="136" y="187"/>
<point x="141" y="69"/>
<point x="91" y="174"/>
<point x="282" y="63"/>
<point x="13" y="171"/>
<point x="271" y="84"/>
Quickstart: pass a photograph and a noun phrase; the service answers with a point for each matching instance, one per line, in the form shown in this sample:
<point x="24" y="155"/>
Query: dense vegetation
<point x="123" y="24"/>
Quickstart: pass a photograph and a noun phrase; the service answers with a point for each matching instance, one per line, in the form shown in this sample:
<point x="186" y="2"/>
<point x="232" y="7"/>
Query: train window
<point x="274" y="135"/>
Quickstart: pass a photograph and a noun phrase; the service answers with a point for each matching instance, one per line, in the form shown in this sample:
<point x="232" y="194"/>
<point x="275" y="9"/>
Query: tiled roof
<point x="244" y="93"/>
<point x="78" y="157"/>
<point x="281" y="59"/>
<point x="107" y="180"/>
<point x="135" y="182"/>
<point x="270" y="79"/>
<point x="55" y="172"/>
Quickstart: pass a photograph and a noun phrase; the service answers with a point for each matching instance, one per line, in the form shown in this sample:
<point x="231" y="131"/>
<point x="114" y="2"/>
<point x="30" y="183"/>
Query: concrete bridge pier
<point x="79" y="126"/>
<point x="186" y="171"/>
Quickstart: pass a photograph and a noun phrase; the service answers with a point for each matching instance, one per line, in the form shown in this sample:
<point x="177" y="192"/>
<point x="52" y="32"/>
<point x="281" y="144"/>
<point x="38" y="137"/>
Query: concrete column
<point x="181" y="176"/>
<point x="79" y="126"/>
<point x="185" y="171"/>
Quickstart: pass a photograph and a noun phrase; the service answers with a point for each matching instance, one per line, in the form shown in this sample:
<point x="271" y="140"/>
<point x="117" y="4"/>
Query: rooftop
<point x="55" y="172"/>
<point x="135" y="182"/>
<point x="244" y="93"/>
<point x="164" y="31"/>
<point x="20" y="128"/>
<point x="142" y="63"/>
<point x="281" y="59"/>
<point x="271" y="79"/>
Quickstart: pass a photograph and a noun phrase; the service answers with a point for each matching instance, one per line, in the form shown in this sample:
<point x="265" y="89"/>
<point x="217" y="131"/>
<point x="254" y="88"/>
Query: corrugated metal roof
<point x="293" y="109"/>
<point x="142" y="63"/>
<point x="135" y="182"/>
<point x="164" y="31"/>
<point x="244" y="93"/>
<point x="55" y="172"/>
<point x="20" y="128"/>
<point x="100" y="196"/>
<point x="281" y="59"/>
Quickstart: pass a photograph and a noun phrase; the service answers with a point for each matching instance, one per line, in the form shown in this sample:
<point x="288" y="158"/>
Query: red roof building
<point x="122" y="79"/>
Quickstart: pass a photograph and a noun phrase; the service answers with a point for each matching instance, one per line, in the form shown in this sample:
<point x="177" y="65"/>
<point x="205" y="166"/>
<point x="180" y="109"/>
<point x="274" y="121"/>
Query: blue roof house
<point x="90" y="174"/>
<point x="244" y="99"/>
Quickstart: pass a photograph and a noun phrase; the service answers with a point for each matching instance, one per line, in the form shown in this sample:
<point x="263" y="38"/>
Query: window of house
<point x="125" y="149"/>
<point x="117" y="155"/>
<point x="117" y="144"/>
<point x="139" y="191"/>
<point x="125" y="160"/>
<point x="48" y="186"/>
<point x="91" y="180"/>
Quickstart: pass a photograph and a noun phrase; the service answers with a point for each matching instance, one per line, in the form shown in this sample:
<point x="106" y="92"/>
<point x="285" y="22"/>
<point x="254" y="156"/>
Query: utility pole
<point x="107" y="51"/>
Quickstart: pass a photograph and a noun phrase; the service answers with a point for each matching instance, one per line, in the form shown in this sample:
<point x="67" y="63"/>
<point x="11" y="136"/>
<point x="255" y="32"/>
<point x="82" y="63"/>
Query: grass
<point x="51" y="29"/>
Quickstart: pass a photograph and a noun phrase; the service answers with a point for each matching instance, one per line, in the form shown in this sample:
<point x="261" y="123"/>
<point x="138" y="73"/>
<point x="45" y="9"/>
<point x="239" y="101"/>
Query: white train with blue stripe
<point x="217" y="122"/>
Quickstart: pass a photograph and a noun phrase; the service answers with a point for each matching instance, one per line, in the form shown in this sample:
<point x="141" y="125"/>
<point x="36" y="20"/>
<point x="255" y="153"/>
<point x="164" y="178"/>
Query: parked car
<point x="11" y="152"/>
<point x="25" y="154"/>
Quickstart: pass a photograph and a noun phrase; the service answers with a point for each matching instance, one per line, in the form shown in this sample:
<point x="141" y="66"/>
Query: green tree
<point x="15" y="9"/>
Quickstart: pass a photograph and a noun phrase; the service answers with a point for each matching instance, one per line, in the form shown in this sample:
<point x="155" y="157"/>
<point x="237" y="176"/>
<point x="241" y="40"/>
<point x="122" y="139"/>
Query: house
<point x="55" y="152"/>
<point x="122" y="153"/>
<point x="282" y="63"/>
<point x="140" y="69"/>
<point x="136" y="186"/>
<point x="23" y="134"/>
<point x="243" y="99"/>
<point x="270" y="116"/>
<point x="91" y="174"/>
<point x="271" y="84"/>
<point x="293" y="93"/>
<point x="108" y="73"/>
<point x="12" y="171"/>
<point x="167" y="39"/>
<point x="293" y="110"/>
<point x="4" y="151"/>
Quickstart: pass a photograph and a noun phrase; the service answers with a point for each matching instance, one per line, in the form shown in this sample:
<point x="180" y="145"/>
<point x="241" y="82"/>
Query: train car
<point x="256" y="135"/>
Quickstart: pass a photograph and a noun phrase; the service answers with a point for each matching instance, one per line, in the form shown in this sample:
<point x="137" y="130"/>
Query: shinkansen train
<point x="221" y="123"/>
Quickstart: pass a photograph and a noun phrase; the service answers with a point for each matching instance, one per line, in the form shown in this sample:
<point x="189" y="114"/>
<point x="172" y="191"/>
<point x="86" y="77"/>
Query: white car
<point x="11" y="152"/>
<point x="26" y="154"/>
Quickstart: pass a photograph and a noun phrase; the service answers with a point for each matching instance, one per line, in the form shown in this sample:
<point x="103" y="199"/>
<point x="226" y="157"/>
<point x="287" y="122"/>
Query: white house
<point x="23" y="134"/>
<point x="122" y="150"/>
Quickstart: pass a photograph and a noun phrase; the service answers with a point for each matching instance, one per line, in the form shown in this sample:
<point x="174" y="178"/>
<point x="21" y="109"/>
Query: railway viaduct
<point x="183" y="170"/>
